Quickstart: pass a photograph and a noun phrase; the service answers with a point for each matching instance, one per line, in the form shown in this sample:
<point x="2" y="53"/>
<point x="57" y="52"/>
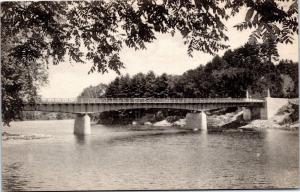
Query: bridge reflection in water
<point x="253" y="108"/>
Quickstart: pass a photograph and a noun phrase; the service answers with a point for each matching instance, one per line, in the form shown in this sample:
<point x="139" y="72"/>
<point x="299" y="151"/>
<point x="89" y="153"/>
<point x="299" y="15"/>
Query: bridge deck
<point x="146" y="100"/>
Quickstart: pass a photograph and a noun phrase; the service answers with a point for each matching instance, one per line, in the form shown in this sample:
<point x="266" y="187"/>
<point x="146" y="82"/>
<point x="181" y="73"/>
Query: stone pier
<point x="196" y="120"/>
<point x="251" y="113"/>
<point x="82" y="125"/>
<point x="247" y="114"/>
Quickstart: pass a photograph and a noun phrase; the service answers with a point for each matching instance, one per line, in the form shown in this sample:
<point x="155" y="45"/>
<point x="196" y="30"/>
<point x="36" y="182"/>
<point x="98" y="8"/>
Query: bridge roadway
<point x="98" y="105"/>
<point x="148" y="100"/>
<point x="252" y="108"/>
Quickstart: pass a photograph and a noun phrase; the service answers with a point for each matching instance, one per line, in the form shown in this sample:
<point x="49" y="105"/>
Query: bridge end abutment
<point x="272" y="106"/>
<point x="196" y="121"/>
<point x="82" y="124"/>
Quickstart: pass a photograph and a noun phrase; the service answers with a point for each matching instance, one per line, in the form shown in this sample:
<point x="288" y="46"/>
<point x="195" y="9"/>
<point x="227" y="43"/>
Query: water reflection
<point x="13" y="179"/>
<point x="148" y="135"/>
<point x="82" y="139"/>
<point x="278" y="146"/>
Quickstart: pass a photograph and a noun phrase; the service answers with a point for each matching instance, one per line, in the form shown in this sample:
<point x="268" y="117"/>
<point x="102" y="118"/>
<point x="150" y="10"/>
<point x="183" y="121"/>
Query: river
<point x="133" y="157"/>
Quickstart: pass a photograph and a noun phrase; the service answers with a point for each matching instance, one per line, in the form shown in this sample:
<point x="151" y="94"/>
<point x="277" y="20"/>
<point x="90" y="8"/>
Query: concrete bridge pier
<point x="82" y="125"/>
<point x="251" y="113"/>
<point x="247" y="114"/>
<point x="196" y="121"/>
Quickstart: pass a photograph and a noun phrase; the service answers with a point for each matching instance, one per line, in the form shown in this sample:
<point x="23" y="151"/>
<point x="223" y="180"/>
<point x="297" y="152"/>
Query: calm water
<point x="130" y="158"/>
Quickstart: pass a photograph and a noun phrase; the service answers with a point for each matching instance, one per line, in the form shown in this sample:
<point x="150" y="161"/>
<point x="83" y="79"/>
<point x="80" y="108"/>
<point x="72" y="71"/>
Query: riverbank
<point x="26" y="130"/>
<point x="12" y="136"/>
<point x="228" y="120"/>
<point x="287" y="118"/>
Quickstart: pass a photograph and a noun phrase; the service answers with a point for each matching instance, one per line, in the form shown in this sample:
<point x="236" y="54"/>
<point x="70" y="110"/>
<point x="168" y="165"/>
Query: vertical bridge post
<point x="82" y="125"/>
<point x="196" y="120"/>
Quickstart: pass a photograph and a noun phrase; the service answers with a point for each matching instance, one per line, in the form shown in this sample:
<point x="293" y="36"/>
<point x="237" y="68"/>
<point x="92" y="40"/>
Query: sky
<point x="166" y="54"/>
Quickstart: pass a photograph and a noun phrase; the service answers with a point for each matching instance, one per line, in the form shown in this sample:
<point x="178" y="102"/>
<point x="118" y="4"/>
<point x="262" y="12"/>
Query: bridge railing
<point x="146" y="100"/>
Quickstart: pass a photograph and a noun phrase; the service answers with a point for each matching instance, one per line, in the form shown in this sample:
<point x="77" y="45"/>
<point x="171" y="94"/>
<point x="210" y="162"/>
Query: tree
<point x="150" y="83"/>
<point x="21" y="77"/>
<point x="268" y="17"/>
<point x="113" y="88"/>
<point x="137" y="85"/>
<point x="35" y="34"/>
<point x="125" y="87"/>
<point x="161" y="88"/>
<point x="290" y="68"/>
<point x="269" y="49"/>
<point x="30" y="33"/>
<point x="97" y="91"/>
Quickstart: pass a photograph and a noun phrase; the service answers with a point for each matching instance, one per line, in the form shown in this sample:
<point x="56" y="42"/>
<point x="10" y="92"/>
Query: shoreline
<point x="6" y="136"/>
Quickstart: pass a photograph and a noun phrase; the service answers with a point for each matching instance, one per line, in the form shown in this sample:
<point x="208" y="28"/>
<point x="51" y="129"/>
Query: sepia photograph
<point x="149" y="95"/>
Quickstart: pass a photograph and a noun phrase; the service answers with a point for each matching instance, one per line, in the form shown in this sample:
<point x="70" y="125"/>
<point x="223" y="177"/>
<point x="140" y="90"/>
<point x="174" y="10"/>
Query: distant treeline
<point x="228" y="76"/>
<point x="250" y="67"/>
<point x="37" y="115"/>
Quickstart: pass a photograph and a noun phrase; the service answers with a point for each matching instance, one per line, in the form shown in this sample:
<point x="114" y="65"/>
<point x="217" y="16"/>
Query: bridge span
<point x="253" y="108"/>
<point x="98" y="105"/>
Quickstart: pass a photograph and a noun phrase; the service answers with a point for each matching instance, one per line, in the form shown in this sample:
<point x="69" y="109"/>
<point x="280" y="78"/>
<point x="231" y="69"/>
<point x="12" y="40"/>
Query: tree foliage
<point x="51" y="30"/>
<point x="268" y="17"/>
<point x="97" y="91"/>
